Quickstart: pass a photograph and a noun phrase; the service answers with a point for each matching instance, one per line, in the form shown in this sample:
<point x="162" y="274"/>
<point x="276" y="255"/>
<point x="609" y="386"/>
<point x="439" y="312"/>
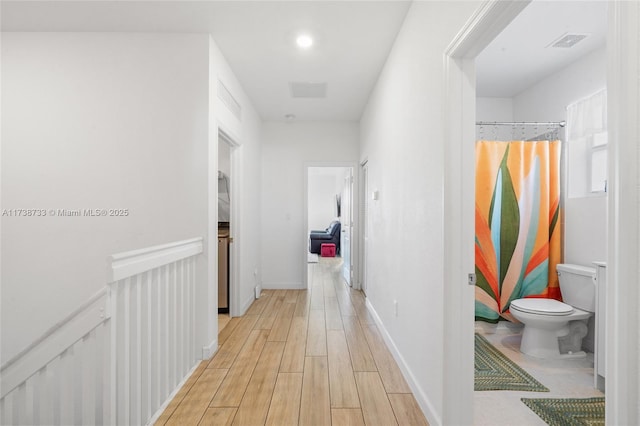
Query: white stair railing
<point x="119" y="356"/>
<point x="63" y="377"/>
<point x="153" y="348"/>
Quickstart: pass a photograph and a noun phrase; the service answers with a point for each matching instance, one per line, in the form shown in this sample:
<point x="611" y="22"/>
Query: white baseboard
<point x="210" y="349"/>
<point x="164" y="405"/>
<point x="247" y="303"/>
<point x="425" y="404"/>
<point x="283" y="286"/>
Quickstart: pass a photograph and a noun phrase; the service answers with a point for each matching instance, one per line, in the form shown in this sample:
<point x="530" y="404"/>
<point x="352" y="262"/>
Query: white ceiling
<point x="352" y="42"/>
<point x="519" y="56"/>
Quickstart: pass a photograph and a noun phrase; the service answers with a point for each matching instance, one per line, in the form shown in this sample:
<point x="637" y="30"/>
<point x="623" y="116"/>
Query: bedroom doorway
<point x="330" y="221"/>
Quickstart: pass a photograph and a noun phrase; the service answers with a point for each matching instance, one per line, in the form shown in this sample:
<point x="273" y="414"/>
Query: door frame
<point x="235" y="308"/>
<point x="349" y="181"/>
<point x="623" y="379"/>
<point x="354" y="213"/>
<point x="363" y="204"/>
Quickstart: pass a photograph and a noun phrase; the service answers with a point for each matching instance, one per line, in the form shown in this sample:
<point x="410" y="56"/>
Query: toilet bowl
<point x="547" y="320"/>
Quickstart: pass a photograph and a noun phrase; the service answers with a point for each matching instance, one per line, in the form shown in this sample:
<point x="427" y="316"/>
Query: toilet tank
<point x="578" y="286"/>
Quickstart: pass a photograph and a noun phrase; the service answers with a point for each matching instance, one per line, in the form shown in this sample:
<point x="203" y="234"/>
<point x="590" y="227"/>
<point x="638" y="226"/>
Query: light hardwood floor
<point x="299" y="357"/>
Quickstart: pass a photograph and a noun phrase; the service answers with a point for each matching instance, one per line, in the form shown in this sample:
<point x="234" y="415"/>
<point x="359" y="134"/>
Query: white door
<point x="347" y="225"/>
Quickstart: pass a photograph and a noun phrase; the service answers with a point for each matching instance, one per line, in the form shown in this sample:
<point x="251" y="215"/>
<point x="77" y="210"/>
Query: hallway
<point x="299" y="357"/>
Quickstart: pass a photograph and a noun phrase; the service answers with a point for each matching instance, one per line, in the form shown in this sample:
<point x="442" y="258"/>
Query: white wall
<point x="324" y="183"/>
<point x="585" y="221"/>
<point x="402" y="131"/>
<point x="494" y="109"/>
<point x="95" y="120"/>
<point x="287" y="149"/>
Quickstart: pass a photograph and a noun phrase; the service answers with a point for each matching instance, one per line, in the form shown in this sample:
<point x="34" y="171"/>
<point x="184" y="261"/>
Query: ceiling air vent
<point x="308" y="90"/>
<point x="568" y="40"/>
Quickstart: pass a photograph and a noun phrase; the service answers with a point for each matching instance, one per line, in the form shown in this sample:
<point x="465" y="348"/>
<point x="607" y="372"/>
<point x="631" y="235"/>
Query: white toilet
<point x="546" y="320"/>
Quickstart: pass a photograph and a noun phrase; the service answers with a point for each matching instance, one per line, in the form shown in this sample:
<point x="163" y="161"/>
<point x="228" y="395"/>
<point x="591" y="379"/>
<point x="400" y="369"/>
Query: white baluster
<point x="159" y="347"/>
<point x="66" y="386"/>
<point x="30" y="400"/>
<point x="167" y="335"/>
<point x="180" y="362"/>
<point x="77" y="362"/>
<point x="88" y="382"/>
<point x="174" y="323"/>
<point x="7" y="409"/>
<point x="19" y="404"/>
<point x="148" y="335"/>
<point x="54" y="390"/>
<point x="37" y="385"/>
<point x="136" y="414"/>
<point x="101" y="376"/>
<point x="192" y="306"/>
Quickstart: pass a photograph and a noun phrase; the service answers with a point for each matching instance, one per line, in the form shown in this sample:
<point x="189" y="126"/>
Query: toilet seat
<point x="541" y="306"/>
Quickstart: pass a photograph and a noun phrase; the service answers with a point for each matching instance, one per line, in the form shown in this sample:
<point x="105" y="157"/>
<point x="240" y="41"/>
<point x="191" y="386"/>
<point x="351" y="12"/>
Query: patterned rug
<point x="568" y="412"/>
<point x="494" y="371"/>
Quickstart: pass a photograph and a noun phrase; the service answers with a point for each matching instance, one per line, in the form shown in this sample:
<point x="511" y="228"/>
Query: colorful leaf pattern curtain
<point x="517" y="221"/>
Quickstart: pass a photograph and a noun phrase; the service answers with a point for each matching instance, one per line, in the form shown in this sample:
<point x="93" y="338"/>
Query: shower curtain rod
<point x="521" y="123"/>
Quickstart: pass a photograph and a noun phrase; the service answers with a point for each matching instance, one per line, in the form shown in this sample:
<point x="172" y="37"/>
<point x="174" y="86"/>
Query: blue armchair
<point x="331" y="235"/>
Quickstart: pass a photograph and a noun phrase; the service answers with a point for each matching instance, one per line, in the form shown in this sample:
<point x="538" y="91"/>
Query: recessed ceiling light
<point x="304" y="41"/>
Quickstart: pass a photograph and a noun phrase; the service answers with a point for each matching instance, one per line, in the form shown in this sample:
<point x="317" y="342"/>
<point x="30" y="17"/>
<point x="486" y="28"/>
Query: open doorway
<point x="225" y="228"/>
<point x="528" y="107"/>
<point x="330" y="221"/>
<point x="459" y="256"/>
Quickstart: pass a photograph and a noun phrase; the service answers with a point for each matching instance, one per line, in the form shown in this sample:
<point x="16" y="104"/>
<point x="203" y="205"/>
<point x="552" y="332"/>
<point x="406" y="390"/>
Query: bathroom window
<point x="598" y="163"/>
<point x="587" y="146"/>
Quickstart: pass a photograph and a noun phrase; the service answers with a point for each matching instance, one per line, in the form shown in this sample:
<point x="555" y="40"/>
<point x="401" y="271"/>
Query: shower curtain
<point x="517" y="222"/>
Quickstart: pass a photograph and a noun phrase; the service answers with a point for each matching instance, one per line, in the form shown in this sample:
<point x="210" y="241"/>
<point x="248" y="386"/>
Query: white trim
<point x="56" y="340"/>
<point x="247" y="303"/>
<point x="209" y="350"/>
<point x="283" y="286"/>
<point x="165" y="404"/>
<point x="421" y="397"/>
<point x="487" y="22"/>
<point x="225" y="135"/>
<point x="622" y="294"/>
<point x="130" y="263"/>
<point x="363" y="203"/>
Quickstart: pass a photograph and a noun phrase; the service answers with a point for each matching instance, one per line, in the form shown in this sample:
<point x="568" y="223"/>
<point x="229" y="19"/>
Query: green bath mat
<point x="568" y="411"/>
<point x="494" y="371"/>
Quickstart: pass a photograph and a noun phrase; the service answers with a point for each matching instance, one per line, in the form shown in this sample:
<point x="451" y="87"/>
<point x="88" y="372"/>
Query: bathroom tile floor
<point x="564" y="378"/>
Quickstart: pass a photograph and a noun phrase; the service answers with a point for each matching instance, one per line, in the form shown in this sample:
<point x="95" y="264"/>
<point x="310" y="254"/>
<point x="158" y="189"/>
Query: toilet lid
<point x="542" y="306"/>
